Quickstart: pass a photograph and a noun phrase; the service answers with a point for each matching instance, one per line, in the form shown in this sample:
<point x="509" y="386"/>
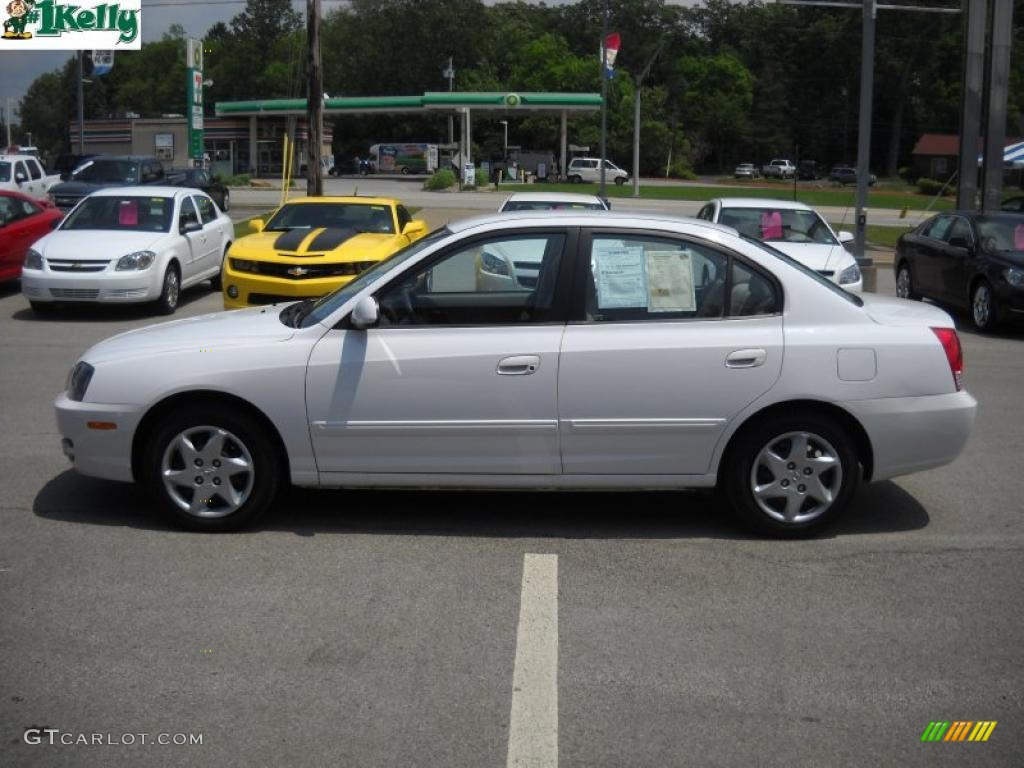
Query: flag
<point x="611" y="50"/>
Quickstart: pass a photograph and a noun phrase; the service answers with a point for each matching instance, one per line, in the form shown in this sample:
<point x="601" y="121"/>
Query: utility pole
<point x="7" y="120"/>
<point x="867" y="87"/>
<point x="450" y="74"/>
<point x="604" y="91"/>
<point x="636" y="118"/>
<point x="314" y="102"/>
<point x="81" y="105"/>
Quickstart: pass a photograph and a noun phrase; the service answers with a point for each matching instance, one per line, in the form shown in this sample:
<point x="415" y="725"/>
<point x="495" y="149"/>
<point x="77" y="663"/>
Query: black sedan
<point x="969" y="260"/>
<point x="200" y="178"/>
<point x="1013" y="204"/>
<point x="845" y="175"/>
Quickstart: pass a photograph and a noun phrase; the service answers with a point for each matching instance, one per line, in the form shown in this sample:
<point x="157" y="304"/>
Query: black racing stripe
<point x="291" y="240"/>
<point x="331" y="238"/>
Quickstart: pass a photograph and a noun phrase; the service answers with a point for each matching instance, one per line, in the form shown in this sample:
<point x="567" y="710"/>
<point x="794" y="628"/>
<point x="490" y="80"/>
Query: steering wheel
<point x="397" y="308"/>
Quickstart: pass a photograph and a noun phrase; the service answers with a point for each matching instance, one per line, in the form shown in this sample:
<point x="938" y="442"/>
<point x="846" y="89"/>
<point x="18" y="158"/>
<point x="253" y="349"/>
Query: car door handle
<point x="519" y="365"/>
<point x="746" y="358"/>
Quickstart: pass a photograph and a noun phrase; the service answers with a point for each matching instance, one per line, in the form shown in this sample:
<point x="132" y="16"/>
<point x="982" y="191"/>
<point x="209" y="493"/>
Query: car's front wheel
<point x="905" y="283"/>
<point x="217" y="281"/>
<point x="620" y="180"/>
<point x="225" y="204"/>
<point x="791" y="475"/>
<point x="210" y="469"/>
<point x="170" y="293"/>
<point x="983" y="307"/>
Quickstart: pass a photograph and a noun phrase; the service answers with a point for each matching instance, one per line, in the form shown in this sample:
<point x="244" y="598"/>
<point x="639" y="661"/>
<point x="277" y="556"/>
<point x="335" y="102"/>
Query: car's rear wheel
<point x="983" y="307"/>
<point x="905" y="283"/>
<point x="791" y="475"/>
<point x="170" y="293"/>
<point x="225" y="204"/>
<point x="210" y="469"/>
<point x="576" y="179"/>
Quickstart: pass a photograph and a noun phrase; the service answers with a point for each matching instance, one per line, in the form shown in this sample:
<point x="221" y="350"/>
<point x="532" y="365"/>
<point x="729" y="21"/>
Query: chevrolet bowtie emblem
<point x="298" y="271"/>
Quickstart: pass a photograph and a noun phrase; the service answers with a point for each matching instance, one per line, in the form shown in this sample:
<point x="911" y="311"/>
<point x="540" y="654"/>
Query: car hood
<point x="83" y="188"/>
<point x="238" y="328"/>
<point x="335" y="244"/>
<point x="97" y="244"/>
<point x="888" y="310"/>
<point x="815" y="255"/>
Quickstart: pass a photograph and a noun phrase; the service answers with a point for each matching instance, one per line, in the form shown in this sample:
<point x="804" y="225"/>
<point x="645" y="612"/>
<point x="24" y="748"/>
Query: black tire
<point x="405" y="170"/>
<point x="217" y="282"/>
<point x="225" y="203"/>
<point x="574" y="179"/>
<point x="908" y="292"/>
<point x="619" y="181"/>
<point x="259" y="492"/>
<point x="43" y="308"/>
<point x="983" y="308"/>
<point x="737" y="478"/>
<point x="170" y="293"/>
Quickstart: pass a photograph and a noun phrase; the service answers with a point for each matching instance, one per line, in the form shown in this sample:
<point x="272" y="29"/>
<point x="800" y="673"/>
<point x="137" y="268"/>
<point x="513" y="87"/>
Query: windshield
<point x="5" y="171"/>
<point x="122" y="213"/>
<point x="1001" y="234"/>
<point x="362" y="217"/>
<point x="107" y="171"/>
<point x="327" y="304"/>
<point x="850" y="297"/>
<point x="779" y="224"/>
<point x="551" y="205"/>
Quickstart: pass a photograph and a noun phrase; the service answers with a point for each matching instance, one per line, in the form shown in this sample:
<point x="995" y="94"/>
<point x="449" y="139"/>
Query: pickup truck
<point x="106" y="171"/>
<point x="779" y="169"/>
<point x="23" y="173"/>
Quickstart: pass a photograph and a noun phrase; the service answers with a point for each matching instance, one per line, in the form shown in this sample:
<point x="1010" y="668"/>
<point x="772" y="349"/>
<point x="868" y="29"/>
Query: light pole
<point x="604" y="90"/>
<point x="504" y="152"/>
<point x="450" y="74"/>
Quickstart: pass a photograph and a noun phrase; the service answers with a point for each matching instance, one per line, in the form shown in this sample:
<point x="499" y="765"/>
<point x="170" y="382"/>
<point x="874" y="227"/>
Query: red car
<point x="23" y="220"/>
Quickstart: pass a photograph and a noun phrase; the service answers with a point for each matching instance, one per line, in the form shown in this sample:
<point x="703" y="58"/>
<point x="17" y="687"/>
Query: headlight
<point x="244" y="265"/>
<point x="78" y="381"/>
<point x="849" y="275"/>
<point x="137" y="260"/>
<point x="33" y="259"/>
<point x="491" y="263"/>
<point x="1013" y="275"/>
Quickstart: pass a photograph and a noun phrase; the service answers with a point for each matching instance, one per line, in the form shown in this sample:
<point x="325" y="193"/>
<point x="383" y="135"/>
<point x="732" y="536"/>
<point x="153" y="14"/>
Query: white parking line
<point x="533" y="726"/>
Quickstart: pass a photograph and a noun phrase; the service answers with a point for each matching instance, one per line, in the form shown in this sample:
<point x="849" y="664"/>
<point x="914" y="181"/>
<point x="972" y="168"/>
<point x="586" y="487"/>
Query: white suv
<point x="589" y="169"/>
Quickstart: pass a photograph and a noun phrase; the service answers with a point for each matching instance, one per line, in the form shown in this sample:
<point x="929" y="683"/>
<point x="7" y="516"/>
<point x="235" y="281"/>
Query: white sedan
<point x="793" y="228"/>
<point x="649" y="353"/>
<point x="129" y="244"/>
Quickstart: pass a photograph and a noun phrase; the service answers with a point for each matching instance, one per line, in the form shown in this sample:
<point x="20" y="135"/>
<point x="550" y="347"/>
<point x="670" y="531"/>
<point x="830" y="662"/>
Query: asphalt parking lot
<point x="380" y="628"/>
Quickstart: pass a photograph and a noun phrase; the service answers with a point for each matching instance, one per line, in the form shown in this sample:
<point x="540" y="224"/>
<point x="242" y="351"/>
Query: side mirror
<point x="257" y="225"/>
<point x="365" y="314"/>
<point x="415" y="227"/>
<point x="845" y="237"/>
<point x="21" y="178"/>
<point x="190" y="226"/>
<point x="960" y="242"/>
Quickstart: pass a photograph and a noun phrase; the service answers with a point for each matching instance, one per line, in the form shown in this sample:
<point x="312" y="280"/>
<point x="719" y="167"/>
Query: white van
<point x="589" y="169"/>
<point x="23" y="173"/>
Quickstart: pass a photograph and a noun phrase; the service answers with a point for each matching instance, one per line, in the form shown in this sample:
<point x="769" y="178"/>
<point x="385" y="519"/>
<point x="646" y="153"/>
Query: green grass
<point x="837" y="197"/>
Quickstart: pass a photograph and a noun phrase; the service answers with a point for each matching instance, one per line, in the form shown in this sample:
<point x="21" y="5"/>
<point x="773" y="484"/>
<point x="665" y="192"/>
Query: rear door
<point x="953" y="260"/>
<point x="928" y="262"/>
<point x="197" y="241"/>
<point x="213" y="246"/>
<point x="671" y="338"/>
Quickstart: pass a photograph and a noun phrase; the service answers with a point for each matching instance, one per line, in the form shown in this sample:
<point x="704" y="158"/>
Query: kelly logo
<point x="959" y="730"/>
<point x="55" y="25"/>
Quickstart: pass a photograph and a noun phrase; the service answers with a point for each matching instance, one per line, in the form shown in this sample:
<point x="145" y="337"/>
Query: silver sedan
<point x="638" y="352"/>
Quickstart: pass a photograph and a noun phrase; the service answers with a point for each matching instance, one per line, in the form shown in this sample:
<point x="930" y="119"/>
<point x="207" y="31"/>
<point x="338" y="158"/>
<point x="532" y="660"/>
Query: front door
<point x="197" y="241"/>
<point x="675" y="339"/>
<point x="213" y="245"/>
<point x="460" y="375"/>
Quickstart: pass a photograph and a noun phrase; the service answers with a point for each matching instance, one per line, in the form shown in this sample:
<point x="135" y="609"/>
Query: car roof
<point x="588" y="218"/>
<point x="761" y="202"/>
<point x="554" y="197"/>
<point x="360" y="200"/>
<point x="147" y="190"/>
<point x="13" y="157"/>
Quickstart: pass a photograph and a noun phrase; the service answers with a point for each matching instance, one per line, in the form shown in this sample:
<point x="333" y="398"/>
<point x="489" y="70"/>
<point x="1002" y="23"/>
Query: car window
<point x="20" y="172"/>
<point x="638" y="278"/>
<point x="34" y="170"/>
<point x="706" y="212"/>
<point x="939" y="227"/>
<point x="778" y="224"/>
<point x="961" y="228"/>
<point x="128" y="212"/>
<point x="107" y="171"/>
<point x="498" y="281"/>
<point x="12" y="209"/>
<point x="188" y="213"/>
<point x="362" y="217"/>
<point x="751" y="293"/>
<point x="404" y="217"/>
<point x="5" y="171"/>
<point x="207" y="211"/>
<point x="202" y="178"/>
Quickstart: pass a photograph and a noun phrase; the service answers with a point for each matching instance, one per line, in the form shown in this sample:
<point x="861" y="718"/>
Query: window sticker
<point x="670" y="282"/>
<point x="620" y="275"/>
<point x="128" y="213"/>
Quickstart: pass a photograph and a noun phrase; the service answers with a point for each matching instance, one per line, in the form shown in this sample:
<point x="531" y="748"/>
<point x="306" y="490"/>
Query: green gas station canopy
<point x="446" y="101"/>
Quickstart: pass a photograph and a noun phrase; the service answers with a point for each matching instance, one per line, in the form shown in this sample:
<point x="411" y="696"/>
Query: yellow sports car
<point x="311" y="246"/>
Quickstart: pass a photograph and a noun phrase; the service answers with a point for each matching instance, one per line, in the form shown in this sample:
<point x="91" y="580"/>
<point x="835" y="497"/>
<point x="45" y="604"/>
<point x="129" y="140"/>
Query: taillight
<point x="954" y="354"/>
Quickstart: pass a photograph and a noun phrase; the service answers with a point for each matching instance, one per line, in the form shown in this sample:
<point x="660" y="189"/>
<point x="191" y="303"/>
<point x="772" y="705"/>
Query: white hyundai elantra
<point x="648" y="353"/>
<point x="129" y="245"/>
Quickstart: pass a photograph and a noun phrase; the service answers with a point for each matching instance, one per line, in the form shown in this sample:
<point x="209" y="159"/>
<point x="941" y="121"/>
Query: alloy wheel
<point x="796" y="477"/>
<point x="903" y="283"/>
<point x="981" y="307"/>
<point x="207" y="471"/>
